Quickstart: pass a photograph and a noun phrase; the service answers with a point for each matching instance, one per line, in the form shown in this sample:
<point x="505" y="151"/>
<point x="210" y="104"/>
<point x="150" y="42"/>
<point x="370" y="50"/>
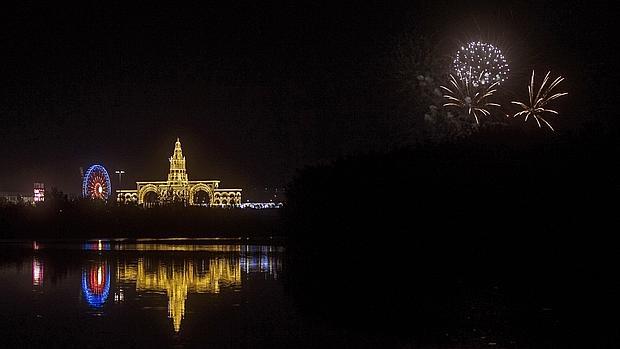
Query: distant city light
<point x="120" y="173"/>
<point x="39" y="192"/>
<point x="261" y="205"/>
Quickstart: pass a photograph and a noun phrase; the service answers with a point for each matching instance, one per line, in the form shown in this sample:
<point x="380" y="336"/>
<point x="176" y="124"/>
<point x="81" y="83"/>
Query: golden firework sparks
<point x="537" y="103"/>
<point x="473" y="98"/>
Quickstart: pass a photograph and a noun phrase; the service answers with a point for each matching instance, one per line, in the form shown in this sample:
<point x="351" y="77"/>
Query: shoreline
<point x="241" y="240"/>
<point x="85" y="220"/>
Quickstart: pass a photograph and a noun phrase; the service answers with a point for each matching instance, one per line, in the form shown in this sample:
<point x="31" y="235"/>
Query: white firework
<point x="481" y="64"/>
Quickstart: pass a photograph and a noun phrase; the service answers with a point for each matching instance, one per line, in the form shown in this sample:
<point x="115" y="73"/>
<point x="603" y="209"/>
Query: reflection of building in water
<point x="37" y="272"/>
<point x="96" y="284"/>
<point x="218" y="267"/>
<point x="179" y="247"/>
<point x="177" y="279"/>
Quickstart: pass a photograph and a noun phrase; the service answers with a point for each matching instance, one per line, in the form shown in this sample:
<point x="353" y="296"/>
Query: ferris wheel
<point x="96" y="183"/>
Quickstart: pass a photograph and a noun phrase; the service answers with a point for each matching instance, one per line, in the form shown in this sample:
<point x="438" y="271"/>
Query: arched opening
<point x="201" y="198"/>
<point x="151" y="199"/>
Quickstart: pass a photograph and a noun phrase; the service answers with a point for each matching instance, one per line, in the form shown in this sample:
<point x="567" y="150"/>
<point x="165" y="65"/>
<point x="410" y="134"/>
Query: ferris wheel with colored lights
<point x="96" y="183"/>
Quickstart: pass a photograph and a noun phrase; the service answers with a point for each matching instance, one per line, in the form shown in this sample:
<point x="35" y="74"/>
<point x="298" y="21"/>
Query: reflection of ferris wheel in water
<point x="96" y="284"/>
<point x="96" y="183"/>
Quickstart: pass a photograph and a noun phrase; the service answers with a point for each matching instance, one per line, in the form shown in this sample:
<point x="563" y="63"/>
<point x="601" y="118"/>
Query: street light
<point x="120" y="174"/>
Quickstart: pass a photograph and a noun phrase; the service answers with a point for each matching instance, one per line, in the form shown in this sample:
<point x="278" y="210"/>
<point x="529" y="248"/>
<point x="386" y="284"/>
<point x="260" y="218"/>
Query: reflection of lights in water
<point x="181" y="247"/>
<point x="35" y="245"/>
<point x="96" y="284"/>
<point x="264" y="263"/>
<point x="180" y="279"/>
<point x="96" y="246"/>
<point x="37" y="272"/>
<point x="120" y="296"/>
<point x="206" y="275"/>
<point x="260" y="259"/>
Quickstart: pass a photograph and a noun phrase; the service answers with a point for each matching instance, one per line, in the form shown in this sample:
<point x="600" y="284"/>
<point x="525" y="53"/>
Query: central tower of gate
<point x="178" y="173"/>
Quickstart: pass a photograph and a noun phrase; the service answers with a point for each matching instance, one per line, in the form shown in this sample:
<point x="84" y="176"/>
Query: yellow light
<point x="537" y="104"/>
<point x="178" y="187"/>
<point x="178" y="280"/>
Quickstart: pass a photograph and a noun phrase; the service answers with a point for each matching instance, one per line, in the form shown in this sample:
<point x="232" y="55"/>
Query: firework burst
<point x="537" y="103"/>
<point x="481" y="64"/>
<point x="463" y="94"/>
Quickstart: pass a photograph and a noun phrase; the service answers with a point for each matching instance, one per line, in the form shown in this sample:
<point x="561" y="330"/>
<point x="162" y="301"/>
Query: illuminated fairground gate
<point x="178" y="189"/>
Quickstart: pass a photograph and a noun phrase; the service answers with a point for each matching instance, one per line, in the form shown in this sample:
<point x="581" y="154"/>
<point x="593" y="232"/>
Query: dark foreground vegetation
<point x="484" y="242"/>
<point x="84" y="219"/>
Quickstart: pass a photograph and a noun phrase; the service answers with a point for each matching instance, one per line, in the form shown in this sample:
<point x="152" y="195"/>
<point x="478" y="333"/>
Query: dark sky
<point x="254" y="91"/>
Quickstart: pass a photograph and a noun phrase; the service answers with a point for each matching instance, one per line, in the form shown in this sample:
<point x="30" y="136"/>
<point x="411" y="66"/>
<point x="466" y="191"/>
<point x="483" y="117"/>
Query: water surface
<point x="143" y="294"/>
<point x="188" y="293"/>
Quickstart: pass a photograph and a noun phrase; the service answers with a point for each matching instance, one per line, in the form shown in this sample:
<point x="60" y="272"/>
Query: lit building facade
<point x="39" y="192"/>
<point x="179" y="189"/>
<point x="14" y="198"/>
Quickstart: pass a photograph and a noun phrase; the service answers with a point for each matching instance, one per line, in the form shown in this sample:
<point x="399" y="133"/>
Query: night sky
<point x="254" y="91"/>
